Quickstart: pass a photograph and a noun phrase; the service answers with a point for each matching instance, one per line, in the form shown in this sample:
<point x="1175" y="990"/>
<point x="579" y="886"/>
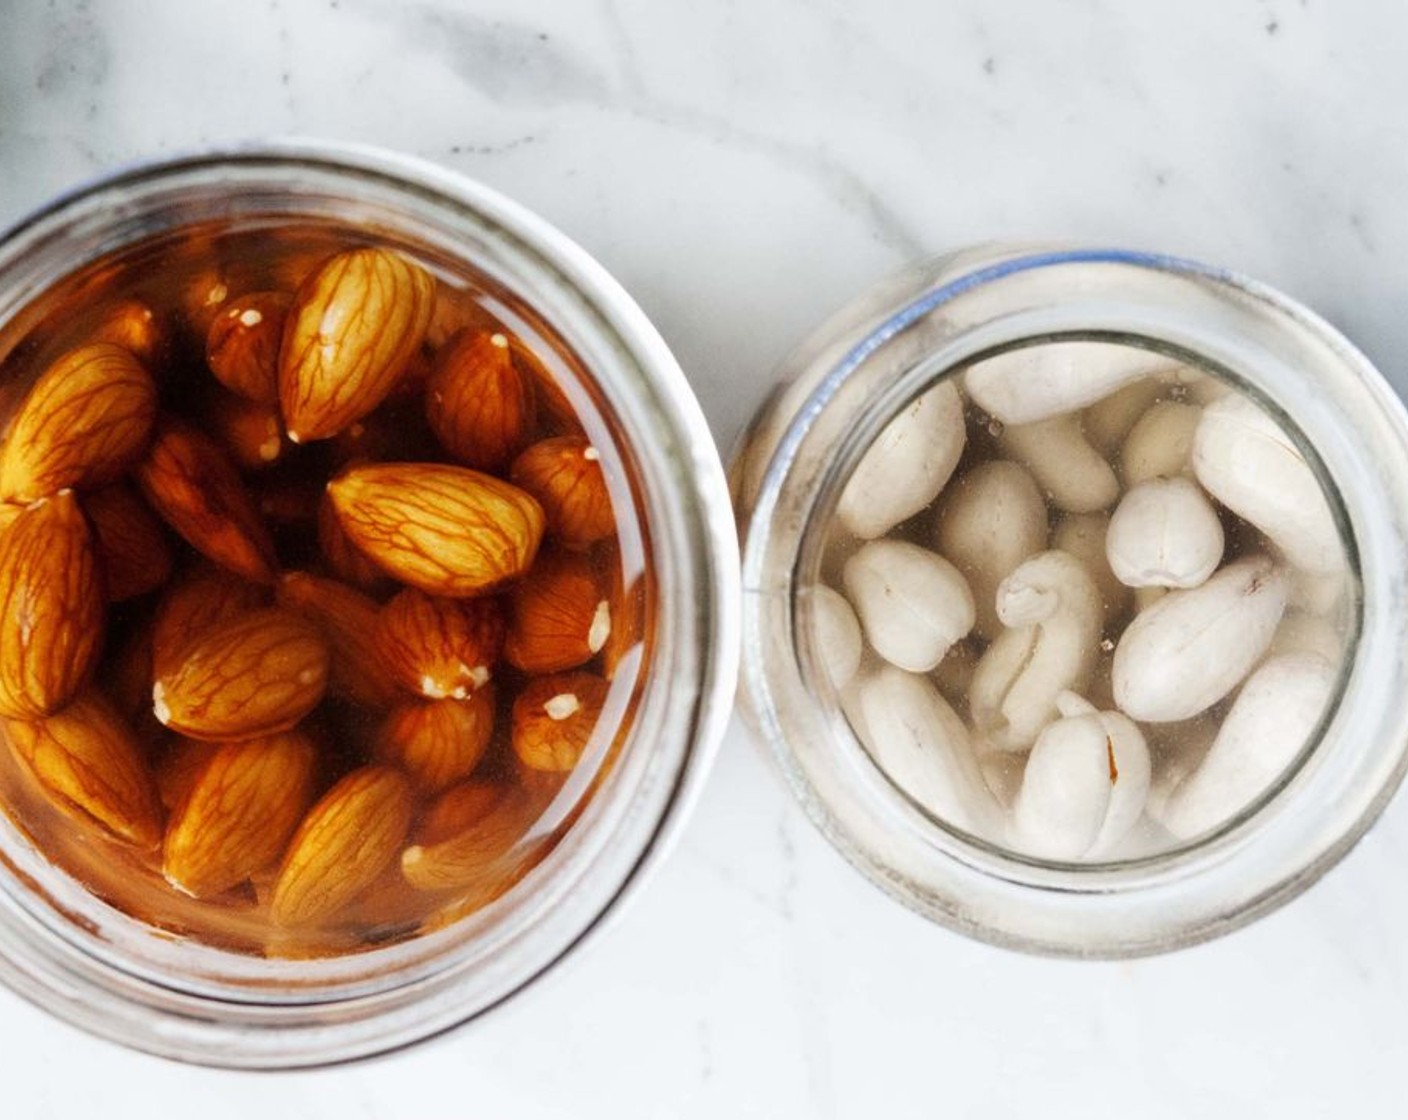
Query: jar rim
<point x="693" y="544"/>
<point x="955" y="309"/>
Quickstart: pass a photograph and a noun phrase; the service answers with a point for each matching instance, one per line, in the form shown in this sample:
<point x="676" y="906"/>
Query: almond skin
<point x="134" y="326"/>
<point x="133" y="554"/>
<point x="491" y="851"/>
<point x="195" y="489"/>
<point x="242" y="346"/>
<point x="553" y="718"/>
<point x="182" y="763"/>
<point x="447" y="530"/>
<point x="559" y="616"/>
<point x="51" y="608"/>
<point x="239" y="813"/>
<point x="478" y="403"/>
<point x="564" y="474"/>
<point x="88" y="760"/>
<point x="457" y="809"/>
<point x="343" y="558"/>
<point x="251" y="433"/>
<point x="354" y="325"/>
<point x="192" y="607"/>
<point x="440" y="648"/>
<point x="349" y="620"/>
<point x="438" y="742"/>
<point x="255" y="674"/>
<point x="347" y="839"/>
<point x="85" y="421"/>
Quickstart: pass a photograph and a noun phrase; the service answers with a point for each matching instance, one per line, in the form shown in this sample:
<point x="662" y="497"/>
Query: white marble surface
<point x="743" y="168"/>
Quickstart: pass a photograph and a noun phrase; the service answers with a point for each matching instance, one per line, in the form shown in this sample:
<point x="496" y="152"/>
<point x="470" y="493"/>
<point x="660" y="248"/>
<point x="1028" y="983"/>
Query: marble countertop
<point x="743" y="169"/>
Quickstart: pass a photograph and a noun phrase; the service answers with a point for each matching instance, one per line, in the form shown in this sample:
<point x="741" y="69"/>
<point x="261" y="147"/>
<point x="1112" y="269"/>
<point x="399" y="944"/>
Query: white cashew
<point x="1083" y="535"/>
<point x="1160" y="445"/>
<point x="924" y="748"/>
<point x="990" y="520"/>
<point x="954" y="674"/>
<point x="1247" y="462"/>
<point x="1066" y="467"/>
<point x="1303" y="632"/>
<point x="1052" y="610"/>
<point x="1191" y="648"/>
<point x="907" y="466"/>
<point x="1325" y="595"/>
<point x="1269" y="723"/>
<point x="1084" y="787"/>
<point x="1108" y="421"/>
<point x="1178" y="750"/>
<point x="1164" y="533"/>
<point x="1046" y="380"/>
<point x="912" y="603"/>
<point x="838" y="638"/>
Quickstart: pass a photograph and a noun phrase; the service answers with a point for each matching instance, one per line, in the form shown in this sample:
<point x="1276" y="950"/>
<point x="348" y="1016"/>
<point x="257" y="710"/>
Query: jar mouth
<point x="970" y="306"/>
<point x="115" y="976"/>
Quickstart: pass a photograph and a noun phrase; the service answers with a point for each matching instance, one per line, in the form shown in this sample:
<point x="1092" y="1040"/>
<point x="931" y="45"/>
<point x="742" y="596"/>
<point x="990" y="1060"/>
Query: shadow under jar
<point x="1074" y="599"/>
<point x="395" y="691"/>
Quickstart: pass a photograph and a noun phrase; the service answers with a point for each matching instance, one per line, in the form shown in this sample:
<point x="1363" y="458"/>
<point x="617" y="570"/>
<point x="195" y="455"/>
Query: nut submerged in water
<point x="1093" y="656"/>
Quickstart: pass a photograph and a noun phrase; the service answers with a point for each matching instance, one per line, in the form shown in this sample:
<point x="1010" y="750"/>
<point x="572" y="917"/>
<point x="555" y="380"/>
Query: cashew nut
<point x="924" y="748"/>
<point x="1052" y="610"/>
<point x="1247" y="462"/>
<point x="1108" y="421"/>
<point x="1160" y="445"/>
<point x="907" y="466"/>
<point x="990" y="520"/>
<point x="1084" y="787"/>
<point x="912" y="603"/>
<point x="838" y="639"/>
<point x="1303" y="632"/>
<point x="1191" y="648"/>
<point x="1065" y="465"/>
<point x="1164" y="533"/>
<point x="1039" y="382"/>
<point x="954" y="674"/>
<point x="1267" y="726"/>
<point x="1083" y="536"/>
<point x="1178" y="750"/>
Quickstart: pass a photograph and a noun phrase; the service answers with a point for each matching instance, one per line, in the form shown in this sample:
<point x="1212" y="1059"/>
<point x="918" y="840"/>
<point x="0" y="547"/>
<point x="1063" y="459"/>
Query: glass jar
<point x="68" y="952"/>
<point x="841" y="388"/>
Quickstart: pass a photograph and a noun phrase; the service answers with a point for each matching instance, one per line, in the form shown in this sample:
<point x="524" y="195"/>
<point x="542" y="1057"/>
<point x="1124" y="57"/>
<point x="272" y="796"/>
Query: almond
<point x="255" y="674"/>
<point x="9" y="511"/>
<point x="553" y="719"/>
<point x="51" y="608"/>
<point x="479" y="405"/>
<point x="134" y="326"/>
<point x="446" y="530"/>
<point x="559" y="617"/>
<point x="493" y="850"/>
<point x="630" y="613"/>
<point x="127" y="676"/>
<point x="191" y="608"/>
<point x="441" y="647"/>
<point x="85" y="421"/>
<point x="439" y="742"/>
<point x="457" y="310"/>
<point x="88" y="760"/>
<point x="346" y="840"/>
<point x="182" y="763"/>
<point x="348" y="619"/>
<point x="553" y="404"/>
<point x="344" y="559"/>
<point x="250" y="432"/>
<point x="195" y="489"/>
<point x="242" y="346"/>
<point x="353" y="327"/>
<point x="239" y="814"/>
<point x="133" y="554"/>
<point x="458" y="809"/>
<point x="564" y="474"/>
